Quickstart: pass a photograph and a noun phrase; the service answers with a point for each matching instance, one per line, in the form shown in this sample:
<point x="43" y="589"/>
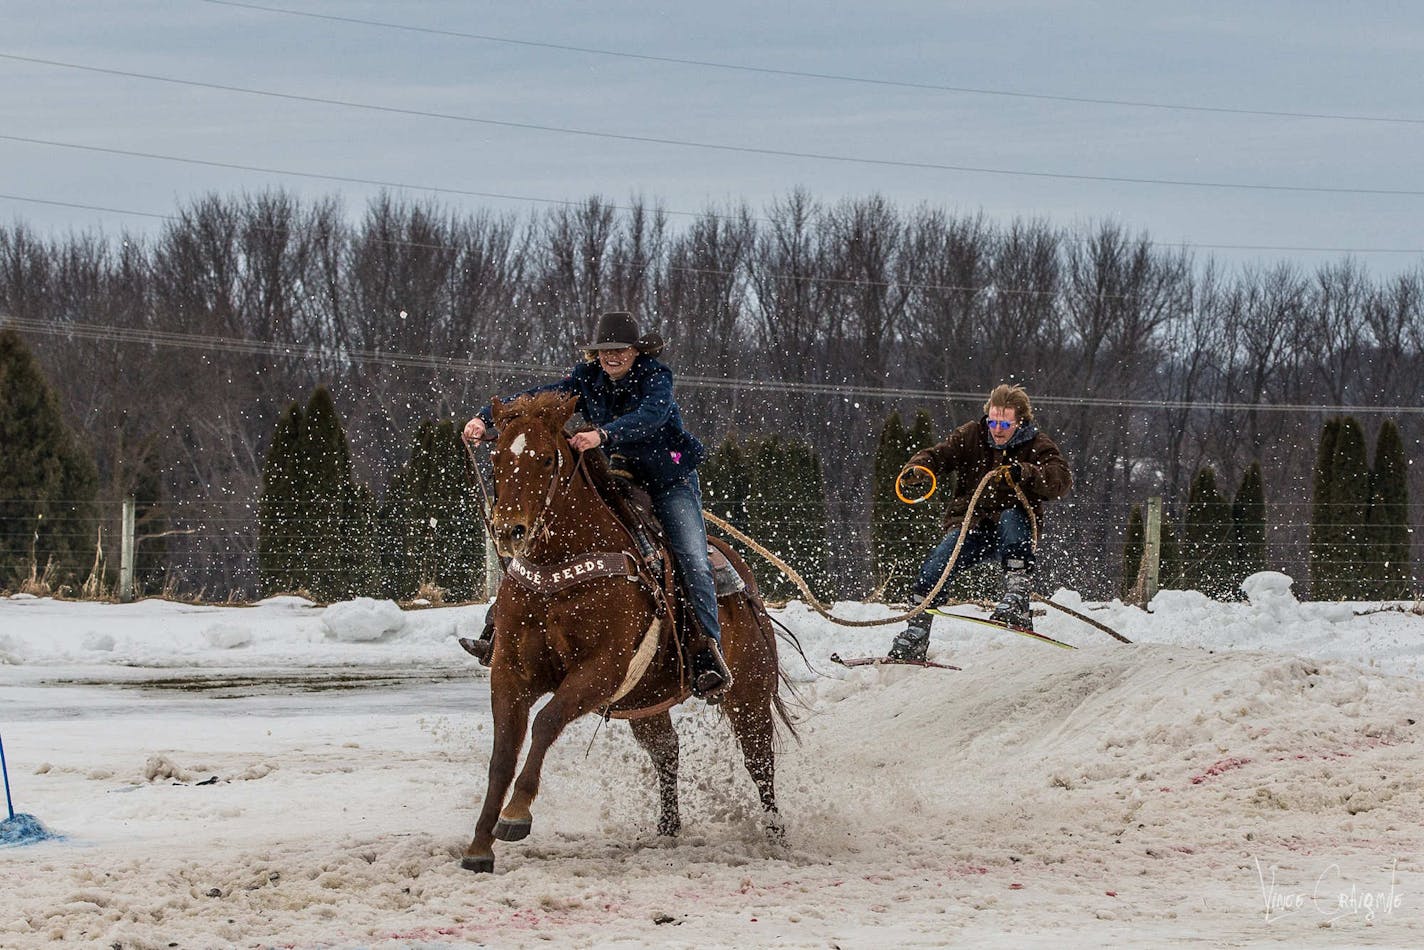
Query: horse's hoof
<point x="478" y="865"/>
<point x="669" y="829"/>
<point x="513" y="829"/>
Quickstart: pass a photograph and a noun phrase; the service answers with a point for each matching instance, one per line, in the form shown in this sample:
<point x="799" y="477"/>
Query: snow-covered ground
<point x="286" y="775"/>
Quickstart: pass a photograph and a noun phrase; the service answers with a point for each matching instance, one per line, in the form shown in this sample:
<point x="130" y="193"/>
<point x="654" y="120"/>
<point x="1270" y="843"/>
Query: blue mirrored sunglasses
<point x="1002" y="425"/>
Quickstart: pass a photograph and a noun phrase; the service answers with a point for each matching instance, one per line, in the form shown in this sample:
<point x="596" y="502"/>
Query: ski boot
<point x="1013" y="608"/>
<point x="913" y="643"/>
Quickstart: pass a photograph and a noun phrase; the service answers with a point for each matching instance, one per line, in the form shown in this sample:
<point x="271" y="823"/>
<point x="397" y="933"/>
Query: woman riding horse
<point x="582" y="620"/>
<point x="626" y="394"/>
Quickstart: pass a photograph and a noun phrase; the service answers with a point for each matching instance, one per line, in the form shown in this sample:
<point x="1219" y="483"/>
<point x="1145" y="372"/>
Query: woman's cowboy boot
<point x="710" y="676"/>
<point x="480" y="649"/>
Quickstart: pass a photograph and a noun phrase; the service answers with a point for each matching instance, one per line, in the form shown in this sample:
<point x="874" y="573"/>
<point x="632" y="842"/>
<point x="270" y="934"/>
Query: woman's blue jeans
<point x="1010" y="540"/>
<point x="679" y="507"/>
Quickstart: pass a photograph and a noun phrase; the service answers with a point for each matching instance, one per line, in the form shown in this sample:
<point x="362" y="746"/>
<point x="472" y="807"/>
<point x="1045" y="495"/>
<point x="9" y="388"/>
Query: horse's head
<point x="530" y="458"/>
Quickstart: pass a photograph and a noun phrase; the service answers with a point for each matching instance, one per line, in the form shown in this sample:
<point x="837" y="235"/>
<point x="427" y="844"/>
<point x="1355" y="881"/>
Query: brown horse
<point x="570" y="623"/>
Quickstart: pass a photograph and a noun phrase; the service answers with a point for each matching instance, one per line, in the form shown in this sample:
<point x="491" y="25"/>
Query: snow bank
<point x="1244" y="774"/>
<point x="363" y="619"/>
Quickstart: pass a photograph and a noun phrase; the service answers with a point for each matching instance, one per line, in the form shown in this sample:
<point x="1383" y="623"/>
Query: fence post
<point x="1152" y="552"/>
<point x="126" y="553"/>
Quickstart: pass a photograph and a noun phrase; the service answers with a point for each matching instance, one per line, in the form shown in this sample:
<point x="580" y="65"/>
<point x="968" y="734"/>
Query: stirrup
<point x="479" y="649"/>
<point x="710" y="676"/>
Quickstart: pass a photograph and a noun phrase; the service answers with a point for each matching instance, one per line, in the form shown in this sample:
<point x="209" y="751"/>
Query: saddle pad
<point x="724" y="575"/>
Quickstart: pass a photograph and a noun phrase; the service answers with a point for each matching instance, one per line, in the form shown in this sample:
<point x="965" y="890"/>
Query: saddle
<point x="634" y="507"/>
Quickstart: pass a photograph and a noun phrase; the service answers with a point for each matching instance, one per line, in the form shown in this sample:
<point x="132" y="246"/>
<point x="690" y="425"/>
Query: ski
<point x="854" y="661"/>
<point x="985" y="621"/>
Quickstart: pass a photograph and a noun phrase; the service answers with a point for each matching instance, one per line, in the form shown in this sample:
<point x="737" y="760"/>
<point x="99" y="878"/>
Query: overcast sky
<point x="1327" y="58"/>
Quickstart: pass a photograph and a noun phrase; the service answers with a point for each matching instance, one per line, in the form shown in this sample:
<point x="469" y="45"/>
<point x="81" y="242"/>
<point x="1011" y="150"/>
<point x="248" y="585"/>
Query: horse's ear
<point x="497" y="411"/>
<point x="566" y="408"/>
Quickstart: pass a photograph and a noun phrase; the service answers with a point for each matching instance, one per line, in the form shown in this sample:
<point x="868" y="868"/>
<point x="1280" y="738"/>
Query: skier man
<point x="1004" y="438"/>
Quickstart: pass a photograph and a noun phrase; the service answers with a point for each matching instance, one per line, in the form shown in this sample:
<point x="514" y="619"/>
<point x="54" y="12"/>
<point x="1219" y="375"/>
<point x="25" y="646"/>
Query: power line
<point x="835" y="390"/>
<point x="832" y="77"/>
<point x="565" y="202"/>
<point x="720" y="147"/>
<point x="706" y="271"/>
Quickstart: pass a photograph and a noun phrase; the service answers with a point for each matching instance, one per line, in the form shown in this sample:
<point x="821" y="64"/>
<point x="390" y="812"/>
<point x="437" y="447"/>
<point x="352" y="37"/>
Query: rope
<point x="920" y="608"/>
<point x="1087" y="620"/>
<point x="1003" y="472"/>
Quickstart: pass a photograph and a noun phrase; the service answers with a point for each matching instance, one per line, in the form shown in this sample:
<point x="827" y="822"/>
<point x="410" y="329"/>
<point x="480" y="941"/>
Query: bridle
<point x="539" y="524"/>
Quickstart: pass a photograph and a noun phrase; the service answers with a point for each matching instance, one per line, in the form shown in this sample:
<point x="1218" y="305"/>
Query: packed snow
<point x="1242" y="774"/>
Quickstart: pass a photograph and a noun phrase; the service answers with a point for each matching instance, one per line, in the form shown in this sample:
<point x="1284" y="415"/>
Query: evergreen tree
<point x="1133" y="547"/>
<point x="1349" y="510"/>
<point x="891" y="545"/>
<point x="1388" y="520"/>
<point x="786" y="512"/>
<point x="725" y="478"/>
<point x="150" y="523"/>
<point x="336" y="542"/>
<point x="280" y="518"/>
<point x="1206" y="548"/>
<point x="1322" y="581"/>
<point x="765" y="512"/>
<point x="399" y="561"/>
<point x="810" y="534"/>
<point x="1169" y="557"/>
<point x="901" y="534"/>
<point x="442" y="535"/>
<point x="1248" y="527"/>
<point x="48" y="481"/>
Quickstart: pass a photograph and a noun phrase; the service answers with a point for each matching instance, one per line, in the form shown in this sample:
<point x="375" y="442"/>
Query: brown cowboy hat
<point x="617" y="329"/>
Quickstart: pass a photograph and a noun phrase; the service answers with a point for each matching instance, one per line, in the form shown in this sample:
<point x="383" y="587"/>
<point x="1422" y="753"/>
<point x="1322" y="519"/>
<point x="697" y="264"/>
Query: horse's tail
<point x="779" y="704"/>
<point x="780" y="708"/>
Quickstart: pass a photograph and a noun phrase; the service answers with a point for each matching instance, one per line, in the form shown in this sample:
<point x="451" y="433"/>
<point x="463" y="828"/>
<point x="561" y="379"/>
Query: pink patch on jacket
<point x="676" y="457"/>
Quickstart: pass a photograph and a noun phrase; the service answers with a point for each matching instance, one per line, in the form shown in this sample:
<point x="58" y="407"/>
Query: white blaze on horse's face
<point x="516" y="448"/>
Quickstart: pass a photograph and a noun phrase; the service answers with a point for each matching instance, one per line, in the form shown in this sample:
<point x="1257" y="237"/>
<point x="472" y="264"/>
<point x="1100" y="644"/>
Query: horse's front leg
<point x="511" y="717"/>
<point x="582" y="691"/>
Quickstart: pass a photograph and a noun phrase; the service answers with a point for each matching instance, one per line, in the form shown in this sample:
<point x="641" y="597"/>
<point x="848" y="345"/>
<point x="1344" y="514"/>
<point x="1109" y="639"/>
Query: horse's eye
<point x="548" y="462"/>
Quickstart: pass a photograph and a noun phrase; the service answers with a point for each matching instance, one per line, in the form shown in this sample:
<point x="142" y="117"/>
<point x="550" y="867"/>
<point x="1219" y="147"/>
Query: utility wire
<point x="832" y="77"/>
<point x="835" y="390"/>
<point x="738" y="149"/>
<point x="565" y="202"/>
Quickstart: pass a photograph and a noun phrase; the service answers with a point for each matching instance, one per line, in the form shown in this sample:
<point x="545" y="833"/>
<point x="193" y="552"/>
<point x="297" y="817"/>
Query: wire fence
<point x="213" y="544"/>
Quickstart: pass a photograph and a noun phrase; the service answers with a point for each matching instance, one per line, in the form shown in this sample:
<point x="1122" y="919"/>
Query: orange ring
<point x="934" y="483"/>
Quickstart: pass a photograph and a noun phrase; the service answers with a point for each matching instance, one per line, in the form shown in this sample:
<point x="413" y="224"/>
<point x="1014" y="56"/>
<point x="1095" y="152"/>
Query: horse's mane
<point x="536" y="404"/>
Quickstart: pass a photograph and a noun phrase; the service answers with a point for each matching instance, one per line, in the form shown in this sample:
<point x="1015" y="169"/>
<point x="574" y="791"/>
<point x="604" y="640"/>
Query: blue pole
<point x="6" y="770"/>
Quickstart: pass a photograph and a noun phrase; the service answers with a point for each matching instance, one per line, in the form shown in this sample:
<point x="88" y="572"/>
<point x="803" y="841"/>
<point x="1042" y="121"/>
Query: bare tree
<point x="1334" y="324"/>
<point x="949" y="264"/>
<point x="788" y="273"/>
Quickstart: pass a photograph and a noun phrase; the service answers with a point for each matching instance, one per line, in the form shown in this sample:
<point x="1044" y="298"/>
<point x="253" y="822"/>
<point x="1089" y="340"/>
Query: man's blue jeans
<point x="679" y="508"/>
<point x="1010" y="540"/>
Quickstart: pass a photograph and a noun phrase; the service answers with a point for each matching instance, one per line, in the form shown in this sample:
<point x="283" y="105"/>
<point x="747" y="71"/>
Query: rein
<point x="486" y="506"/>
<point x="534" y="577"/>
